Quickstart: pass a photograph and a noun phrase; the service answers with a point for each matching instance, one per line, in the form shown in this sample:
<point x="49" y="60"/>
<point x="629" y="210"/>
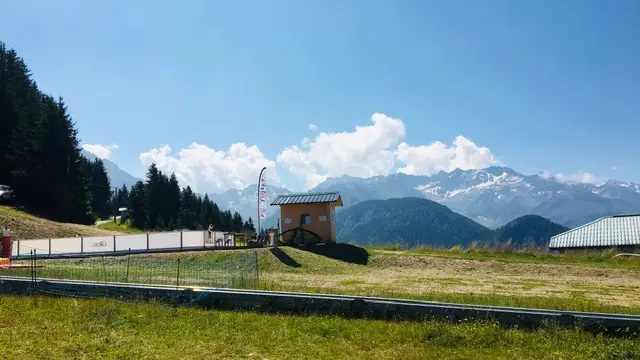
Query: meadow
<point x="66" y="328"/>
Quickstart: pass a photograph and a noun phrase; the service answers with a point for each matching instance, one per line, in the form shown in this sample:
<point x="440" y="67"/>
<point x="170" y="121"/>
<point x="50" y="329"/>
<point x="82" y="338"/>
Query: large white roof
<point x="620" y="230"/>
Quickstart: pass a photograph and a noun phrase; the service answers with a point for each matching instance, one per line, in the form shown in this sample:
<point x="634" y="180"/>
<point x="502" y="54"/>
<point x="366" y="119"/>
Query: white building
<point x="610" y="231"/>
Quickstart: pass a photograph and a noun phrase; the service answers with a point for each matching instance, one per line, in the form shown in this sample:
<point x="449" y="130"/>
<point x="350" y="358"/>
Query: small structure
<point x="308" y="218"/>
<point x="619" y="231"/>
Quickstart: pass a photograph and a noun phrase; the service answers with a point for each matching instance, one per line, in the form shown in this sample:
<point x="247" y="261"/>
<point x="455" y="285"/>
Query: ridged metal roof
<point x="621" y="230"/>
<point x="308" y="198"/>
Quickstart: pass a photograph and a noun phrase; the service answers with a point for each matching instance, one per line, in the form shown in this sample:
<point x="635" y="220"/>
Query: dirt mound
<point x="25" y="226"/>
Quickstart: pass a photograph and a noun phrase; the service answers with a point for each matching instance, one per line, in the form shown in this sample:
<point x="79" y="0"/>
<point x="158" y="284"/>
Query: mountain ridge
<point x="117" y="176"/>
<point x="419" y="222"/>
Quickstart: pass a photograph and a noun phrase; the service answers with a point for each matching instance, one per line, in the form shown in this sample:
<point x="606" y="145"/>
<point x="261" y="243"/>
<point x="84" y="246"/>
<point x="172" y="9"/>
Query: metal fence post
<point x="128" y="259"/>
<point x="180" y="240"/>
<point x="114" y="243"/>
<point x="147" y="241"/>
<point x="104" y="270"/>
<point x="81" y="244"/>
<point x="178" y="275"/>
<point x="49" y="247"/>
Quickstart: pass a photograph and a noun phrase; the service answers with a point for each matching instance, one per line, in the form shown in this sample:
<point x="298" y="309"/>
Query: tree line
<point x="160" y="204"/>
<point x="39" y="154"/>
<point x="40" y="159"/>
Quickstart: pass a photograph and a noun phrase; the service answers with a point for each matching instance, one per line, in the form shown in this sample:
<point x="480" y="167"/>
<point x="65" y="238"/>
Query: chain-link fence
<point x="236" y="270"/>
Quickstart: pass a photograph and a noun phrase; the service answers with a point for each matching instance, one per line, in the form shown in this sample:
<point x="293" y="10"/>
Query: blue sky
<point x="544" y="85"/>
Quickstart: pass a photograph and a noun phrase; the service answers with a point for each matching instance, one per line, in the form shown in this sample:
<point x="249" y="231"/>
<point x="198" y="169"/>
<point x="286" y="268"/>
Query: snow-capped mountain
<point x="496" y="195"/>
<point x="491" y="196"/>
<point x="245" y="201"/>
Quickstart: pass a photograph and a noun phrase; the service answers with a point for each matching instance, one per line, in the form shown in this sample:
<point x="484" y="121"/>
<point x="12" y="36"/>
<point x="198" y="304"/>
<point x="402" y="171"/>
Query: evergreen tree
<point x="100" y="190"/>
<point x="138" y="205"/>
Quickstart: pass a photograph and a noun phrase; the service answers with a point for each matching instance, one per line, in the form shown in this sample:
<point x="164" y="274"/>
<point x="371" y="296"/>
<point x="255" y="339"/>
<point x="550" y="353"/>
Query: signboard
<point x="262" y="195"/>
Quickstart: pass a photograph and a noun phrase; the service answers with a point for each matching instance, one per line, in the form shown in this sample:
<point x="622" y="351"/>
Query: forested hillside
<point x="41" y="160"/>
<point x="160" y="204"/>
<point x="529" y="230"/>
<point x="39" y="150"/>
<point x="410" y="221"/>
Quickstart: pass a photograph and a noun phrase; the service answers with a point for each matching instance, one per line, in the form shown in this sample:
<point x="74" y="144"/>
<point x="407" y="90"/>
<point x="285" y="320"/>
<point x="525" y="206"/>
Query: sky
<point x="214" y="90"/>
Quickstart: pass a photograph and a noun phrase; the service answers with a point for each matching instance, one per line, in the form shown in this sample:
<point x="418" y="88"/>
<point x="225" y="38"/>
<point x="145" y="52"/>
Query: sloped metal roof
<point x="309" y="198"/>
<point x="620" y="230"/>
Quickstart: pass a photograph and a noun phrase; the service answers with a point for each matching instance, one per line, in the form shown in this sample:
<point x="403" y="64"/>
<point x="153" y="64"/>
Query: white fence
<point x="165" y="241"/>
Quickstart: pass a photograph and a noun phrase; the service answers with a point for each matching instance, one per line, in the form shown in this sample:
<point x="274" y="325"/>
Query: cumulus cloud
<point x="313" y="127"/>
<point x="428" y="159"/>
<point x="366" y="151"/>
<point x="378" y="149"/>
<point x="209" y="170"/>
<point x="100" y="151"/>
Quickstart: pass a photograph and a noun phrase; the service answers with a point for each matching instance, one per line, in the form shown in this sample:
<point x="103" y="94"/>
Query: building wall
<point x="326" y="229"/>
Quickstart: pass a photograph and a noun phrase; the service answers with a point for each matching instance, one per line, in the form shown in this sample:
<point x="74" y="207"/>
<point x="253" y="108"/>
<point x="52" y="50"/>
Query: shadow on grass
<point x="284" y="258"/>
<point x="343" y="252"/>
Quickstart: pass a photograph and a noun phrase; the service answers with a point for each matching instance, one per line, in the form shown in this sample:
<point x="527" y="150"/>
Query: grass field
<point x="50" y="328"/>
<point x="560" y="282"/>
<point x="26" y="226"/>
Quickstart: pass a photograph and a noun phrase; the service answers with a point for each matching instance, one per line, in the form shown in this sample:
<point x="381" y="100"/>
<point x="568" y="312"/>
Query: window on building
<point x="323" y="218"/>
<point x="305" y="219"/>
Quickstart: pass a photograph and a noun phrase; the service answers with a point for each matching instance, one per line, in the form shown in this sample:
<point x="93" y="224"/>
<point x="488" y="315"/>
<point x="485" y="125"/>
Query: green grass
<point x="576" y="302"/>
<point x="125" y="228"/>
<point x="596" y="258"/>
<point x="54" y="328"/>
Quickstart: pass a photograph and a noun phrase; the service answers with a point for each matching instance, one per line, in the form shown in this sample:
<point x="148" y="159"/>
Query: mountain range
<point x="491" y="197"/>
<point x="117" y="176"/>
<point x="497" y="195"/>
<point x="418" y="221"/>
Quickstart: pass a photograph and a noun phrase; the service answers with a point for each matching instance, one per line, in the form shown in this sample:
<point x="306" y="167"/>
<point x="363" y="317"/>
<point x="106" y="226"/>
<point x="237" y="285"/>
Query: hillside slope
<point x="529" y="229"/>
<point x="26" y="226"/>
<point x="412" y="221"/>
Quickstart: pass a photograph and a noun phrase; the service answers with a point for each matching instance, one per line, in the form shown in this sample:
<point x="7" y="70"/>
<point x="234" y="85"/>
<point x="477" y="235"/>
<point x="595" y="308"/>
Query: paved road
<point x="104" y="221"/>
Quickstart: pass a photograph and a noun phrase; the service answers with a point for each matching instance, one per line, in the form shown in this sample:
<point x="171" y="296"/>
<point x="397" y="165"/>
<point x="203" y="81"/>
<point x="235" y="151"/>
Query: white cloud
<point x="101" y="151"/>
<point x="209" y="170"/>
<point x="429" y="159"/>
<point x="366" y="151"/>
<point x="580" y="177"/>
<point x="376" y="149"/>
<point x="614" y="168"/>
<point x="313" y="127"/>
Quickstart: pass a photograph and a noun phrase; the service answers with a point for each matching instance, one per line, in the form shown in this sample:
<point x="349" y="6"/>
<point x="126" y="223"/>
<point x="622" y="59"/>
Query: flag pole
<point x="259" y="181"/>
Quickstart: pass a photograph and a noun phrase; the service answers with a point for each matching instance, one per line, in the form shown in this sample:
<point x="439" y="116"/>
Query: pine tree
<point x="100" y="189"/>
<point x="137" y="206"/>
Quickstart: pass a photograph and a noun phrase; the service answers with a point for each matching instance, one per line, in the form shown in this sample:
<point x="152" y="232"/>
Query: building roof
<point x="308" y="198"/>
<point x="619" y="230"/>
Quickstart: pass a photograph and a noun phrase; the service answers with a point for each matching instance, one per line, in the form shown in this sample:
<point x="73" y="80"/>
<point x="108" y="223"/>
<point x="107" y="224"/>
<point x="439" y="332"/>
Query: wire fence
<point x="237" y="270"/>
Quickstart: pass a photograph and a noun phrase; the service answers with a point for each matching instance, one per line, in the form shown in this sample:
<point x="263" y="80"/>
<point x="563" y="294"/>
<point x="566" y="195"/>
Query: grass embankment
<point x="558" y="284"/>
<point x="121" y="228"/>
<point x="54" y="328"/>
<point x="26" y="226"/>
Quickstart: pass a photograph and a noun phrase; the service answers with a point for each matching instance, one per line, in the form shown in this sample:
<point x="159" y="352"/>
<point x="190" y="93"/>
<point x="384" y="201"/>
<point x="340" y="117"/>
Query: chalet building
<point x="308" y="218"/>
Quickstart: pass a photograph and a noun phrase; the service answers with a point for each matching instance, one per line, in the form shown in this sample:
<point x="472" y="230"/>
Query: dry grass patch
<point x="26" y="226"/>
